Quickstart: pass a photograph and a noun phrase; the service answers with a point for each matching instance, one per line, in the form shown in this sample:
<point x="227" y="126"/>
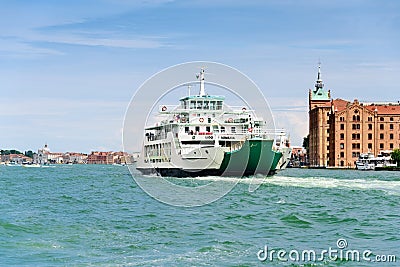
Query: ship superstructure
<point x="204" y="136"/>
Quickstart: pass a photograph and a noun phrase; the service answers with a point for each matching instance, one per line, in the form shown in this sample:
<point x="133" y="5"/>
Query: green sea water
<point x="96" y="215"/>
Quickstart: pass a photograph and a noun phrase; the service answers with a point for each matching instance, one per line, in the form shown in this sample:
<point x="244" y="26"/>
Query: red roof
<point x="340" y="104"/>
<point x="385" y="109"/>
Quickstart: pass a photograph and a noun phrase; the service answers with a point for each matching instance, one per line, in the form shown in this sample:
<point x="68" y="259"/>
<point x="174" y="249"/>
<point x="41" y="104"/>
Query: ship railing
<point x="245" y="134"/>
<point x="168" y="108"/>
<point x="278" y="132"/>
<point x="197" y="133"/>
<point x="237" y="110"/>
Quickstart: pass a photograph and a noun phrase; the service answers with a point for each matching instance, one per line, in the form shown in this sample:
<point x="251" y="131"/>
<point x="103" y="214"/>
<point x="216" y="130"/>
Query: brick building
<point x="341" y="130"/>
<point x="98" y="157"/>
<point x="319" y="104"/>
<point x="357" y="128"/>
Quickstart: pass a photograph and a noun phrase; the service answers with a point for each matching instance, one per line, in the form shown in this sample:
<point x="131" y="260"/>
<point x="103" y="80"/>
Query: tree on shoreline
<point x="306" y="142"/>
<point x="29" y="153"/>
<point x="396" y="156"/>
<point x="9" y="151"/>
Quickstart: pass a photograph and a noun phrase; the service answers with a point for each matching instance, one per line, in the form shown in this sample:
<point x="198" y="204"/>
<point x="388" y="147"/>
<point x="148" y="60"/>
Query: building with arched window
<point x="341" y="130"/>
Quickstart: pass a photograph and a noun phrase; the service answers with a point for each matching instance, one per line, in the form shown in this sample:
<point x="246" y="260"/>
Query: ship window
<point x="197" y="129"/>
<point x="212" y="105"/>
<point x="186" y="129"/>
<point x="222" y="129"/>
<point x="206" y="106"/>
<point x="192" y="104"/>
<point x="209" y="120"/>
<point x="233" y="129"/>
<point x="219" y="105"/>
<point x="199" y="104"/>
<point x="208" y="129"/>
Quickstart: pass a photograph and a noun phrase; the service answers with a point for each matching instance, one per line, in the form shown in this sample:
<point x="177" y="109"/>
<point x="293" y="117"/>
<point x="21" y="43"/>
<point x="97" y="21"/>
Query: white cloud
<point x="75" y="39"/>
<point x="291" y="114"/>
<point x="15" y="48"/>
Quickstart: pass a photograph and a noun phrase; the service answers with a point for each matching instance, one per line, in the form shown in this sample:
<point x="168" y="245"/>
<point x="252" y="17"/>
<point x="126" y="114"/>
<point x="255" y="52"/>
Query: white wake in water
<point x="391" y="187"/>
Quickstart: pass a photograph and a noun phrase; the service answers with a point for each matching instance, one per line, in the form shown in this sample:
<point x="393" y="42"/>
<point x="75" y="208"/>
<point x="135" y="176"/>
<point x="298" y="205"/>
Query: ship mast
<point x="201" y="77"/>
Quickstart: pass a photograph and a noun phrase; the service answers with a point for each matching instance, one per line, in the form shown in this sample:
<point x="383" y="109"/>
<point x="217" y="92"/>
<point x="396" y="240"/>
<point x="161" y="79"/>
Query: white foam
<point x="392" y="187"/>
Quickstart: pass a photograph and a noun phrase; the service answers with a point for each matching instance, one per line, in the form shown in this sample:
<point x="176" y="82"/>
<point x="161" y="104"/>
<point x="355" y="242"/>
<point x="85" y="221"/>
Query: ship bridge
<point x="204" y="102"/>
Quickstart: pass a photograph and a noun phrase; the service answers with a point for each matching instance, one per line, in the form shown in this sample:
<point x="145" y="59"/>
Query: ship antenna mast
<point x="201" y="77"/>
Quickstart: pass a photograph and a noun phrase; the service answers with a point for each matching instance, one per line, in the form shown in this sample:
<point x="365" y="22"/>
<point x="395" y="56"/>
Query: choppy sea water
<point x="96" y="215"/>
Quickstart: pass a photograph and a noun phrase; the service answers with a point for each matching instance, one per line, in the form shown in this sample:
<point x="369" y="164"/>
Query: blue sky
<point x="68" y="69"/>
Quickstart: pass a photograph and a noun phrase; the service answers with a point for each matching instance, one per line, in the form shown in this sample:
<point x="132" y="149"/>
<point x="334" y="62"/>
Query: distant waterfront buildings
<point x="16" y="158"/>
<point x="298" y="157"/>
<point x="45" y="156"/>
<point x="98" y="157"/>
<point x="340" y="130"/>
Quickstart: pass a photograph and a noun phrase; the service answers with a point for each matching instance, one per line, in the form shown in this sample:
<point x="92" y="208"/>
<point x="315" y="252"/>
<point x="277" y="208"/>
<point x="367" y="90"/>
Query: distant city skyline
<point x="69" y="68"/>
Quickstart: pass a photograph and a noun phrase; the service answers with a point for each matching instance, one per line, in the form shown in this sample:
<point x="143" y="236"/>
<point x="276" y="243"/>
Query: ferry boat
<point x="282" y="145"/>
<point x="365" y="162"/>
<point x="204" y="136"/>
<point x="368" y="161"/>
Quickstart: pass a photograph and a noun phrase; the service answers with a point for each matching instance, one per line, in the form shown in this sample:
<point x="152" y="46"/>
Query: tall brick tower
<point x="319" y="106"/>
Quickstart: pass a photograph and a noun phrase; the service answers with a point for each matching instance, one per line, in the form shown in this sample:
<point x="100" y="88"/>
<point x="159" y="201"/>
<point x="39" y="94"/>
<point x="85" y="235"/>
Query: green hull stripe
<point x="255" y="156"/>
